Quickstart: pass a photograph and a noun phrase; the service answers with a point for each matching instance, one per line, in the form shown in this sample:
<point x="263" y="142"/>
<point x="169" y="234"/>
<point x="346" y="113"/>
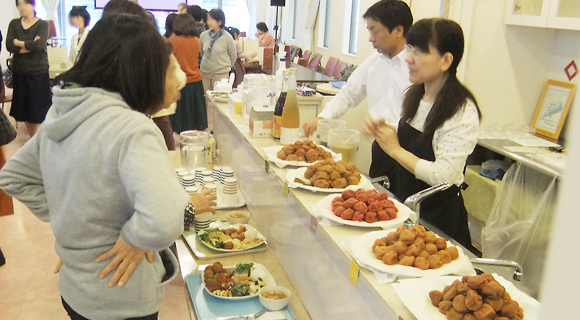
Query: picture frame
<point x="553" y="108"/>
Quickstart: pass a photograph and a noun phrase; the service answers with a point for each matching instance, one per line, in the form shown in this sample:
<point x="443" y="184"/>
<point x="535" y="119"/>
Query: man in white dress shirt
<point x="383" y="76"/>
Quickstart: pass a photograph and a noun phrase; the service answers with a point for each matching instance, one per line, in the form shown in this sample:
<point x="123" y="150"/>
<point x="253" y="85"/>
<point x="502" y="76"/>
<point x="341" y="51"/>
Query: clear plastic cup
<point x="324" y="125"/>
<point x="345" y="142"/>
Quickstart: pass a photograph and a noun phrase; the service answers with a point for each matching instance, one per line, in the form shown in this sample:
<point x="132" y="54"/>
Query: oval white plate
<point x="248" y="227"/>
<point x="361" y="249"/>
<point x="293" y="174"/>
<point x="269" y="280"/>
<point x="272" y="154"/>
<point x="324" y="209"/>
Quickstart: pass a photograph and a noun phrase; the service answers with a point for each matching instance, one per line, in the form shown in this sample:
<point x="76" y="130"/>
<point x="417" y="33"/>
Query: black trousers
<point x="75" y="316"/>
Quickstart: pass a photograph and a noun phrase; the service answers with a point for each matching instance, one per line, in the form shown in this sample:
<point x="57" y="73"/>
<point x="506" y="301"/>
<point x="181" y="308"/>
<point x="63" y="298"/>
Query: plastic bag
<point x="520" y="223"/>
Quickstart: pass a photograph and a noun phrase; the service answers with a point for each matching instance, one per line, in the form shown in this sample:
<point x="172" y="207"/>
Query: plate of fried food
<point x="239" y="282"/>
<point x="363" y="208"/>
<point x="238" y="237"/>
<point x="413" y="252"/>
<point x="483" y="297"/>
<point x="299" y="154"/>
<point x="328" y="176"/>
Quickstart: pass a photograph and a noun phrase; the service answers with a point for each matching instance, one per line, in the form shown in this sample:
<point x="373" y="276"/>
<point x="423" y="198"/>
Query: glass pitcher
<point x="344" y="141"/>
<point x="194" y="149"/>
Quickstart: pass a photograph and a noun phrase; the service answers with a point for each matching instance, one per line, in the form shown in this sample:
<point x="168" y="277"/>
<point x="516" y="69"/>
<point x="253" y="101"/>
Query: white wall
<point x="7" y="13"/>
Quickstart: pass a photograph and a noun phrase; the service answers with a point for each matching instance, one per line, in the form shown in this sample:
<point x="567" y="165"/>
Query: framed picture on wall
<point x="553" y="108"/>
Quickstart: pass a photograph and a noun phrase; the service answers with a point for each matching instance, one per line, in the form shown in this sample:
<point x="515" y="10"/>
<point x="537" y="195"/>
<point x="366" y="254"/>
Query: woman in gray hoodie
<point x="99" y="172"/>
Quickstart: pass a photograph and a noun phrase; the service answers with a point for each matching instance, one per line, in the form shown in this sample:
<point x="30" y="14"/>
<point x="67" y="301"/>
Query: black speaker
<point x="278" y="3"/>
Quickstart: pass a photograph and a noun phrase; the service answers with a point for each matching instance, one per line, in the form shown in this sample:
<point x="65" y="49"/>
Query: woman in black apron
<point x="438" y="128"/>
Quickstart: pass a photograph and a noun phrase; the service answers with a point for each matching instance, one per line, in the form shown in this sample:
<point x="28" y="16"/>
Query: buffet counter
<point x="306" y="255"/>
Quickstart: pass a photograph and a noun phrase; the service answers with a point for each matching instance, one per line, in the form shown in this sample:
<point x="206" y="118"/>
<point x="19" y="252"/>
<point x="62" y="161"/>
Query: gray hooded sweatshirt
<point x="96" y="170"/>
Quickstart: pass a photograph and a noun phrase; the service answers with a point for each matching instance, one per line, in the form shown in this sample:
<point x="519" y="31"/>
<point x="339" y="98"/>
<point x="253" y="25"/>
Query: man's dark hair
<point x="196" y="12"/>
<point x="125" y="54"/>
<point x="124" y="6"/>
<point x="184" y="25"/>
<point x="391" y="13"/>
<point x="169" y="24"/>
<point x="262" y="27"/>
<point x="218" y="15"/>
<point x="80" y="11"/>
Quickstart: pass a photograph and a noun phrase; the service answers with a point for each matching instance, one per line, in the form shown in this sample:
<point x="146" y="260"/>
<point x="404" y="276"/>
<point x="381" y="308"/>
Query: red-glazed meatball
<point x="337" y="204"/>
<point x="388" y="203"/>
<point x="391" y="212"/>
<point x="375" y="206"/>
<point x="361" y="206"/>
<point x="347" y="194"/>
<point x="338" y="211"/>
<point x="337" y="199"/>
<point x="347" y="214"/>
<point x="383" y="216"/>
<point x="383" y="196"/>
<point x="371" y="217"/>
<point x="350" y="202"/>
<point x="358" y="216"/>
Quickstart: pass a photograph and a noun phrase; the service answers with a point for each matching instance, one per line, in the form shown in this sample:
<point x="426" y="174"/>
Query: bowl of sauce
<point x="238" y="217"/>
<point x="274" y="298"/>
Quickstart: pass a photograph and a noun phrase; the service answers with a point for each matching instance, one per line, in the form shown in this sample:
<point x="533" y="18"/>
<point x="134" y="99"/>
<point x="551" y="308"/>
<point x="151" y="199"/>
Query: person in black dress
<point x="438" y="129"/>
<point x="26" y="39"/>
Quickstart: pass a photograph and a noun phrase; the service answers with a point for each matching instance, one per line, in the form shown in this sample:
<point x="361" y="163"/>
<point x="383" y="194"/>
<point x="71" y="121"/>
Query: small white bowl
<point x="236" y="220"/>
<point x="274" y="305"/>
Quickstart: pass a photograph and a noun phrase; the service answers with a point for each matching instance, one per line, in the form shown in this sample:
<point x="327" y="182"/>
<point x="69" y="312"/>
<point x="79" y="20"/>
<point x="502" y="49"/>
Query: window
<point x="294" y="19"/>
<point x="354" y="18"/>
<point x="324" y="26"/>
<point x="236" y="12"/>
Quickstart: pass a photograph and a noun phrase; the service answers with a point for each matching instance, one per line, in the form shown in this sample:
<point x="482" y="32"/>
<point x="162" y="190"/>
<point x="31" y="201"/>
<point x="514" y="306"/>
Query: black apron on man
<point x="444" y="210"/>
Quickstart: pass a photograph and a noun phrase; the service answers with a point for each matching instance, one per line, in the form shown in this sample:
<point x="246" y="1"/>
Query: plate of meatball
<point x="299" y="154"/>
<point x="482" y="297"/>
<point x="363" y="208"/>
<point x="328" y="176"/>
<point x="411" y="252"/>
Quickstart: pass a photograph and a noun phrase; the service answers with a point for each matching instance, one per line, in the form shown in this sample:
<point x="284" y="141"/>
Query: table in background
<point x="304" y="74"/>
<point x="327" y="88"/>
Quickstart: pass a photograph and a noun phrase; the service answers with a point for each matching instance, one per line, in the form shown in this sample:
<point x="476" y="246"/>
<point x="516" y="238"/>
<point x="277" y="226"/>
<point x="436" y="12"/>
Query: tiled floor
<point x="28" y="286"/>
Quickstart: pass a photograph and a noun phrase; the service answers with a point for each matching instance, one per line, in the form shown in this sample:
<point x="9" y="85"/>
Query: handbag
<point x="7" y="76"/>
<point x="7" y="131"/>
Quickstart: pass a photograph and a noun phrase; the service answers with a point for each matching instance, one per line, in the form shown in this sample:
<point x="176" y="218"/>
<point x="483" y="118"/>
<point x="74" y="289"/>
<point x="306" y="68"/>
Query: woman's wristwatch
<point x="189" y="216"/>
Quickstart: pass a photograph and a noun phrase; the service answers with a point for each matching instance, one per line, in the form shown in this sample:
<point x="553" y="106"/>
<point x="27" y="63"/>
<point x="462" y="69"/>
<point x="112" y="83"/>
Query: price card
<point x="354" y="272"/>
<point x="286" y="188"/>
<point x="313" y="224"/>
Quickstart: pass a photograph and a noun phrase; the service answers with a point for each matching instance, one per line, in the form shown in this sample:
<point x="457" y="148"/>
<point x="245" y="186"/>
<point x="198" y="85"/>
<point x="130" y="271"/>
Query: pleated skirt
<point x="191" y="113"/>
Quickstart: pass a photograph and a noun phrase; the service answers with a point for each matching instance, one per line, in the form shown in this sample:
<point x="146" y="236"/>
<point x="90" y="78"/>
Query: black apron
<point x="444" y="210"/>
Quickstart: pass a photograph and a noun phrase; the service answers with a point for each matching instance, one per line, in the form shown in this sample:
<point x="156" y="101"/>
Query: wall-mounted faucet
<point x="414" y="201"/>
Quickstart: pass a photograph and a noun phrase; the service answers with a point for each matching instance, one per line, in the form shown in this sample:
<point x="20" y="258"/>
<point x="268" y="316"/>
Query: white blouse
<point x="452" y="143"/>
<point x="75" y="46"/>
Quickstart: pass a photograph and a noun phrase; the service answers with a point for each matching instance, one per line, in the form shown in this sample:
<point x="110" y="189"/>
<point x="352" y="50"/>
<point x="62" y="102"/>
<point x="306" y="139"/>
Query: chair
<point x="330" y="65"/>
<point x="3" y="97"/>
<point x="239" y="71"/>
<point x="306" y="56"/>
<point x="303" y="62"/>
<point x="314" y="64"/>
<point x="340" y="66"/>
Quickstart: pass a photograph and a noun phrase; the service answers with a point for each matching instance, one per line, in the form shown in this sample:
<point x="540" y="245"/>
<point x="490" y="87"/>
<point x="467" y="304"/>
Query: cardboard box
<point x="261" y="121"/>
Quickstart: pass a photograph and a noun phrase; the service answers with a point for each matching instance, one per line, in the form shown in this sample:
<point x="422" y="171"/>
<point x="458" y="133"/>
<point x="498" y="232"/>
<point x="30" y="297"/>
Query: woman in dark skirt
<point x="191" y="111"/>
<point x="26" y="39"/>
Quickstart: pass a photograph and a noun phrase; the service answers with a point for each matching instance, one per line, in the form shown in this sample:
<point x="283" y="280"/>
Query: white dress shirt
<point x="75" y="46"/>
<point x="380" y="79"/>
<point x="452" y="143"/>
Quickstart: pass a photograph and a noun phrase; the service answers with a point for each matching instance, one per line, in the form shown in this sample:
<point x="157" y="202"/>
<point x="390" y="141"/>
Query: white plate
<point x="415" y="295"/>
<point x="323" y="208"/>
<point x="293" y="174"/>
<point x="272" y="154"/>
<point x="268" y="280"/>
<point x="219" y="98"/>
<point x="248" y="227"/>
<point x="361" y="249"/>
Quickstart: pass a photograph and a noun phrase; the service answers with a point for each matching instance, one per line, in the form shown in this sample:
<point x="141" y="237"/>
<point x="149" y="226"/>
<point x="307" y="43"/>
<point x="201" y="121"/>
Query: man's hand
<point x="126" y="259"/>
<point x="310" y="126"/>
<point x="203" y="202"/>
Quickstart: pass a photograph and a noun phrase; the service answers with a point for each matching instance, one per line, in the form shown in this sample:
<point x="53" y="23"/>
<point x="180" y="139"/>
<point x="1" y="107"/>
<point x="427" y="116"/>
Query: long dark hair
<point x="124" y="53"/>
<point x="169" y="24"/>
<point x="445" y="36"/>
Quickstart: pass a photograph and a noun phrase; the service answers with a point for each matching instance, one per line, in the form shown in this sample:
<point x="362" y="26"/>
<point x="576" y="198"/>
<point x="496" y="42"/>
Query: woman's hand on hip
<point x="126" y="258"/>
<point x="203" y="202"/>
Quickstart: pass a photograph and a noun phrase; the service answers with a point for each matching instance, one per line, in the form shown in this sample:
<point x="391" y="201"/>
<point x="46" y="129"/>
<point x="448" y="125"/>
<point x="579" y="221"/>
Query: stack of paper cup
<point x="181" y="174"/>
<point x="227" y="173"/>
<point x="191" y="190"/>
<point x="206" y="181"/>
<point x="212" y="187"/>
<point x="198" y="175"/>
<point x="216" y="173"/>
<point x="201" y="221"/>
<point x="230" y="192"/>
<point x="188" y="181"/>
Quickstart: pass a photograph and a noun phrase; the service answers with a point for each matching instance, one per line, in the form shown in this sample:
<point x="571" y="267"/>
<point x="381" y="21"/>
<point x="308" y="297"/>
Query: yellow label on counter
<point x="286" y="188"/>
<point x="354" y="272"/>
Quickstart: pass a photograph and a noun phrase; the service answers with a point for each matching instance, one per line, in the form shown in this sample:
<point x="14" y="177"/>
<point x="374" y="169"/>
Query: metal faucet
<point x="414" y="201"/>
<point x="384" y="180"/>
<point x="518" y="269"/>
